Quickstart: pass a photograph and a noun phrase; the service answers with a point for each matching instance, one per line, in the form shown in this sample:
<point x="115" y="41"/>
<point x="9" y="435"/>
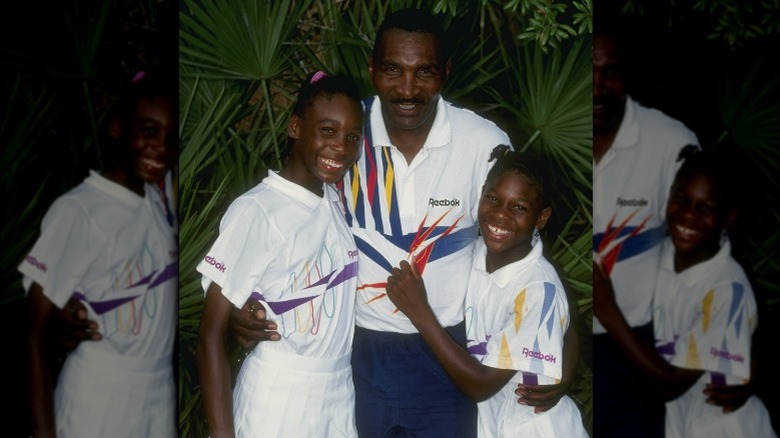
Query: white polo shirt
<point x="117" y="252"/>
<point x="516" y="318"/>
<point x="630" y="188"/>
<point x="291" y="250"/>
<point x="425" y="210"/>
<point x="704" y="319"/>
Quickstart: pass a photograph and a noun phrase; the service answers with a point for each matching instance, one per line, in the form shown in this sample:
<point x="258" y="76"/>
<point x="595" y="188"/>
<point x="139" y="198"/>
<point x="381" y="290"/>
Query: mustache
<point x="412" y="101"/>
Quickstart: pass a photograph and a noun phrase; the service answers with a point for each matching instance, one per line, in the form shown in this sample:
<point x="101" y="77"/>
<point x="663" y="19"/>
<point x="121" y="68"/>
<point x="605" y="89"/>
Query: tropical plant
<point x="239" y="68"/>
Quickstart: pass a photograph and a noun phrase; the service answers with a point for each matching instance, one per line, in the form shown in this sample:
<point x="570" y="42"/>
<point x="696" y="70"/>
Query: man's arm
<point x="406" y="290"/>
<point x="40" y="386"/>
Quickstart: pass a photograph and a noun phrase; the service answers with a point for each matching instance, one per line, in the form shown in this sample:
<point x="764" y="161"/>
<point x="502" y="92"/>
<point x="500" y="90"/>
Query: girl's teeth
<point x="332" y="163"/>
<point x="496" y="230"/>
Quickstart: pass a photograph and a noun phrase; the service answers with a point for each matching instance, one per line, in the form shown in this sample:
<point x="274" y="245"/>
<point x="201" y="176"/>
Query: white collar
<point x="439" y="135"/>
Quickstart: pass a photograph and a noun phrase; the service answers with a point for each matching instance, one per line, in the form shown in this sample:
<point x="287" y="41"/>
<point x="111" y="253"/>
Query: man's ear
<point x="543" y="217"/>
<point x="293" y="126"/>
<point x="447" y="67"/>
<point x="115" y="129"/>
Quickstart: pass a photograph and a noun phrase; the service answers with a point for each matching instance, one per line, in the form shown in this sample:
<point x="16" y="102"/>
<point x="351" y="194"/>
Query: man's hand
<point x="249" y="325"/>
<point x="541" y="397"/>
<point x="729" y="397"/>
<point x="72" y="326"/>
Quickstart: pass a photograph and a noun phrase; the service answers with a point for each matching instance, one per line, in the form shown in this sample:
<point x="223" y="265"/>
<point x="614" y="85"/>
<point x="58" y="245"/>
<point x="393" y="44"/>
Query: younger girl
<point x="704" y="311"/>
<point x="286" y="243"/>
<point x="516" y="308"/>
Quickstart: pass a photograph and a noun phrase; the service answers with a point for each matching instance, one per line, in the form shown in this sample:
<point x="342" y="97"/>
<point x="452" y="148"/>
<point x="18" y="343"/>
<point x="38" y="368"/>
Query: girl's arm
<point x="213" y="367"/>
<point x="40" y="386"/>
<point x="671" y="381"/>
<point x="406" y="290"/>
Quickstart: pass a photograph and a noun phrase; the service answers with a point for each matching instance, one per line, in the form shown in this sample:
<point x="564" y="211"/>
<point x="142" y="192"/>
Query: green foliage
<point x="733" y="22"/>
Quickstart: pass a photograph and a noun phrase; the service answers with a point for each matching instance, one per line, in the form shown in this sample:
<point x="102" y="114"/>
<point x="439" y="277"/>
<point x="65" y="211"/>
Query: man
<point x="413" y="196"/>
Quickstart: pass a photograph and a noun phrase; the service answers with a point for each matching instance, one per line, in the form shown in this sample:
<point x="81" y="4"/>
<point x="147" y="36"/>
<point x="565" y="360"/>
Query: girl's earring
<point x="536" y="232"/>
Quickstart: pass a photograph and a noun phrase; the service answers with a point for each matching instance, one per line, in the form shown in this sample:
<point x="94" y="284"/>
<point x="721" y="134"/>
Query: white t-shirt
<point x="630" y="188"/>
<point x="291" y="250"/>
<point x="516" y="318"/>
<point x="118" y="253"/>
<point x="427" y="208"/>
<point x="704" y="318"/>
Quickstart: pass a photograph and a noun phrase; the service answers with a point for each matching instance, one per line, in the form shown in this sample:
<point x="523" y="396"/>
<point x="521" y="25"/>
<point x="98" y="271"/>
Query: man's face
<point x="408" y="75"/>
<point x="609" y="90"/>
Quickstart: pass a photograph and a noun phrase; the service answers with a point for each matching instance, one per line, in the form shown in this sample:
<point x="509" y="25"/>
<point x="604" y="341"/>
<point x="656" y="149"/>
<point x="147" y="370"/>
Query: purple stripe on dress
<point x="717" y="378"/>
<point x="350" y="271"/>
<point x="480" y="348"/>
<point x="144" y="280"/>
<point x="280" y="307"/>
<point x="530" y="379"/>
<point x="101" y="307"/>
<point x="323" y="280"/>
<point x="667" y="349"/>
<point x="169" y="272"/>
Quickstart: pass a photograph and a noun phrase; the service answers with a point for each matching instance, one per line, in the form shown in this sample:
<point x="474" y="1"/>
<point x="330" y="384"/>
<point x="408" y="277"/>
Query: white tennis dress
<point x="117" y="253"/>
<point x="292" y="251"/>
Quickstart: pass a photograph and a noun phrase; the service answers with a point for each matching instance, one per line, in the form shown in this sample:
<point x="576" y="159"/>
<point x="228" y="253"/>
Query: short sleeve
<point x="68" y="245"/>
<point x="246" y="245"/>
<point x="719" y="335"/>
<point x="532" y="336"/>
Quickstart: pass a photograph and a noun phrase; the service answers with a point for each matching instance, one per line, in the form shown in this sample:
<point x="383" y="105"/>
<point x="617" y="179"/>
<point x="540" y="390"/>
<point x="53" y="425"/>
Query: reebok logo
<point x="33" y="261"/>
<point x="444" y="202"/>
<point x="352" y="254"/>
<point x="631" y="202"/>
<point x="213" y="262"/>
<point x="725" y="355"/>
<point x="538" y="355"/>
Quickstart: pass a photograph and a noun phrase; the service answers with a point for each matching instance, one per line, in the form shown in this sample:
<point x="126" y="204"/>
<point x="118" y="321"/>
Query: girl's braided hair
<point x="527" y="164"/>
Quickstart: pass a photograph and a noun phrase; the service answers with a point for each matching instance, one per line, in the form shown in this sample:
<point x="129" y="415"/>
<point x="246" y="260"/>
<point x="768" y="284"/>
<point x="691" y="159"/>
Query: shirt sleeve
<point x="68" y="245"/>
<point x="719" y="336"/>
<point x="242" y="252"/>
<point x="532" y="337"/>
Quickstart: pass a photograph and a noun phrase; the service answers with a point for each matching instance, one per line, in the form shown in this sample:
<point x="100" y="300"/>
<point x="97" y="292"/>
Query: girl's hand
<point x="406" y="289"/>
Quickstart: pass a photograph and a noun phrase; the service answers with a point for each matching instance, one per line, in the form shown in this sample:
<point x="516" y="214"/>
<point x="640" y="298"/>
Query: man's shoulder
<point x="654" y="119"/>
<point x="467" y="122"/>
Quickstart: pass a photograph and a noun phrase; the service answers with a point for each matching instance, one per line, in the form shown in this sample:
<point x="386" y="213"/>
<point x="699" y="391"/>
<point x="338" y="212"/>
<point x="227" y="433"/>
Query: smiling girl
<point x="286" y="243"/>
<point x="516" y="308"/>
<point x="704" y="309"/>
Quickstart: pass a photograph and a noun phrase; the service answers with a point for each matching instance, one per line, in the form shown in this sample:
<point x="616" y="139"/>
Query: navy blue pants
<point x="401" y="389"/>
<point x="624" y="402"/>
